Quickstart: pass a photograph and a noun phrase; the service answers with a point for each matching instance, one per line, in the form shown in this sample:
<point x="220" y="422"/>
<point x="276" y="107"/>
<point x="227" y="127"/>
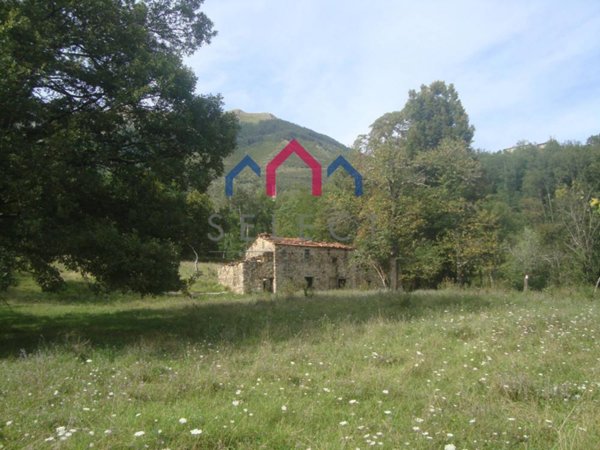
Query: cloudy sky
<point x="524" y="70"/>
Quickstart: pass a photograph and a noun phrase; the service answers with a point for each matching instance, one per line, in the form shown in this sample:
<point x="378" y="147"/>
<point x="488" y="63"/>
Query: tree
<point x="419" y="173"/>
<point x="528" y="257"/>
<point x="595" y="205"/>
<point x="575" y="211"/>
<point x="388" y="218"/>
<point x="104" y="139"/>
<point x="433" y="114"/>
<point x="242" y="217"/>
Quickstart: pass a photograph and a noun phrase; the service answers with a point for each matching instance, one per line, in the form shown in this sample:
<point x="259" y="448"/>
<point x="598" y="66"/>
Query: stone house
<point x="275" y="264"/>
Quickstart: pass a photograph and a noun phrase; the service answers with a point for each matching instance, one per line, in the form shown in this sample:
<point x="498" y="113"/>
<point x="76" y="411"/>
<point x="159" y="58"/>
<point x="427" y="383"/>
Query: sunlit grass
<point x="340" y="370"/>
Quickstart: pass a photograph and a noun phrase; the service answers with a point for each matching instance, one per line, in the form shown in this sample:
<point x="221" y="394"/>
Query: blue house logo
<point x="294" y="147"/>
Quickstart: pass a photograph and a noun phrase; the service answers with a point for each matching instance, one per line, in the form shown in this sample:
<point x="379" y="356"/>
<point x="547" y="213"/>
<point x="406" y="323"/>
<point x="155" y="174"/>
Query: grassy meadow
<point x="341" y="370"/>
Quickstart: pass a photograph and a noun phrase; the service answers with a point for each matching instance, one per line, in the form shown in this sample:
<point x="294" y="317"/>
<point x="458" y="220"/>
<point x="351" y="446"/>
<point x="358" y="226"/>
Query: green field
<point x="340" y="370"/>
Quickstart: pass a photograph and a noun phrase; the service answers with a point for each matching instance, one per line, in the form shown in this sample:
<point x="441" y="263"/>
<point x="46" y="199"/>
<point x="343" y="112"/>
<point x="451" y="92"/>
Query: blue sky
<point x="524" y="70"/>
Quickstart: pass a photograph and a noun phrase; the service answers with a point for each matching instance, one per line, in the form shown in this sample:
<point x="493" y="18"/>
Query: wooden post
<point x="526" y="283"/>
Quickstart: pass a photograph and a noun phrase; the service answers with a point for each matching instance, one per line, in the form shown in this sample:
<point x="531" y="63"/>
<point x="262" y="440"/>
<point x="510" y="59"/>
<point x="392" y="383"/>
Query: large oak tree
<point x="103" y="139"/>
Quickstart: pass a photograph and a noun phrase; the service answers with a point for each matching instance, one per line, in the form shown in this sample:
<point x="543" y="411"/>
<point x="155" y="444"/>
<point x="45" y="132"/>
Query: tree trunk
<point x="196" y="271"/>
<point x="526" y="283"/>
<point x="380" y="273"/>
<point x="393" y="273"/>
<point x="597" y="284"/>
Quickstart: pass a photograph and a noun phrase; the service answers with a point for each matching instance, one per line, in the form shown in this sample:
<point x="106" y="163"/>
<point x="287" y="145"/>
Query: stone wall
<point x="259" y="246"/>
<point x="276" y="267"/>
<point x="258" y="273"/>
<point x="320" y="268"/>
<point x="232" y="276"/>
<point x="251" y="275"/>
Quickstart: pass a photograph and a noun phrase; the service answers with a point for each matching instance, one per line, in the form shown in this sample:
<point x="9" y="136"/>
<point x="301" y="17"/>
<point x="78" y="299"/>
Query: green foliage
<point x="527" y="257"/>
<point x="435" y="210"/>
<point x="246" y="214"/>
<point x="422" y="180"/>
<point x="430" y="116"/>
<point x="549" y="190"/>
<point x="258" y="129"/>
<point x="296" y="213"/>
<point x="580" y="226"/>
<point x="105" y="138"/>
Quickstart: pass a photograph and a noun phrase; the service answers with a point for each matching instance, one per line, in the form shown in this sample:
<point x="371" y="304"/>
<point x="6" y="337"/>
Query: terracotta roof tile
<point x="296" y="242"/>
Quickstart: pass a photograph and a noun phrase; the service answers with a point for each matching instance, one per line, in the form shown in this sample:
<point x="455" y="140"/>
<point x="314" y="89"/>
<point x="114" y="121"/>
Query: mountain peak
<point x="246" y="117"/>
<point x="262" y="136"/>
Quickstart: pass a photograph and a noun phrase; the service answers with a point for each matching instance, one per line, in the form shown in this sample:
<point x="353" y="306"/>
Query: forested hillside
<point x="546" y="199"/>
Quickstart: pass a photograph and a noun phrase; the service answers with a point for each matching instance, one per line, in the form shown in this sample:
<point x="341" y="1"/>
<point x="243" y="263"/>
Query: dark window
<point x="268" y="284"/>
<point x="309" y="282"/>
<point x="334" y="260"/>
<point x="306" y="253"/>
<point x="341" y="283"/>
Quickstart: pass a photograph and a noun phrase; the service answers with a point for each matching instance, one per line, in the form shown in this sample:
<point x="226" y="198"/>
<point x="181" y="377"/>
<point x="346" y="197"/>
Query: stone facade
<point x="276" y="264"/>
<point x="250" y="275"/>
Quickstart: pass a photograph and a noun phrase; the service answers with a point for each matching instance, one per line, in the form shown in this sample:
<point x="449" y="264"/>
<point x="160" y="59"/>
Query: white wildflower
<point x="195" y="431"/>
<point x="139" y="433"/>
<point x="182" y="420"/>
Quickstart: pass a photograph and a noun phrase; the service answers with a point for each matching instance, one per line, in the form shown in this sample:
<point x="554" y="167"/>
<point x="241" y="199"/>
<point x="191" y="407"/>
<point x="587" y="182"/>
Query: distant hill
<point x="262" y="136"/>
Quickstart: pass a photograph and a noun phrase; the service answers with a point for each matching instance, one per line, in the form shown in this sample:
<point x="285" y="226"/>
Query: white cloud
<point x="520" y="68"/>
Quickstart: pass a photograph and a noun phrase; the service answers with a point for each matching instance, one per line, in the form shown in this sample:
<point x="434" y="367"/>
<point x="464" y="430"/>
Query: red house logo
<point x="312" y="163"/>
<point x="314" y="166"/>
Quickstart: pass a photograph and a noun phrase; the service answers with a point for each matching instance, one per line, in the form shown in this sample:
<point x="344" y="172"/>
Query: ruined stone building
<point x="275" y="264"/>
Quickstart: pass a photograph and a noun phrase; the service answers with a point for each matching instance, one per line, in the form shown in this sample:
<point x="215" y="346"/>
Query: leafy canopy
<point x="103" y="138"/>
<point x="422" y="180"/>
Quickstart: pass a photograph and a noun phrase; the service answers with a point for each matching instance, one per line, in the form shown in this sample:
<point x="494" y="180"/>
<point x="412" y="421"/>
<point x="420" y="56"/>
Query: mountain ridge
<point x="262" y="136"/>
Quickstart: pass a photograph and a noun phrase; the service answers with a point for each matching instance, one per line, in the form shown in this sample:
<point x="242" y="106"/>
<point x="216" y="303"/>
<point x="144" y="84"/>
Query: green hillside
<point x="262" y="136"/>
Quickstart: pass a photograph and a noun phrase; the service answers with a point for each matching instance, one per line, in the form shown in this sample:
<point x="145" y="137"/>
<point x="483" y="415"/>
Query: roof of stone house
<point x="296" y="242"/>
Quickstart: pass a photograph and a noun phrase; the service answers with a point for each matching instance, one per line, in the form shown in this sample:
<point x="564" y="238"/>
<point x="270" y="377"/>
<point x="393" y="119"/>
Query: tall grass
<point x="338" y="370"/>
